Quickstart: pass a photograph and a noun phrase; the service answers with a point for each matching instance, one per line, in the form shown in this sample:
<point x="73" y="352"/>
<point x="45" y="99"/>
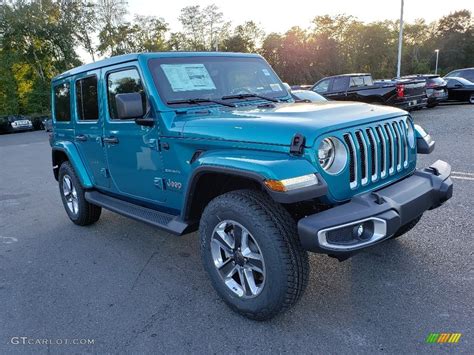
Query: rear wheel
<point x="252" y="254"/>
<point x="78" y="209"/>
<point x="471" y="99"/>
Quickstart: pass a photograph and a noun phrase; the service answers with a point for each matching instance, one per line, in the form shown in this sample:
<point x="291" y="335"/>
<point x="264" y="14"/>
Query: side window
<point x="123" y="82"/>
<point x="452" y="83"/>
<point x="62" y="103"/>
<point x="86" y="99"/>
<point x="339" y="84"/>
<point x="368" y="80"/>
<point x="469" y="75"/>
<point x="357" y="81"/>
<point x="322" y="87"/>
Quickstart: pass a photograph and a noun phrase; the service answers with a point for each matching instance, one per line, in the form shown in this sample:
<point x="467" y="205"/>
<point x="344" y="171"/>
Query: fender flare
<point x="70" y="150"/>
<point x="277" y="166"/>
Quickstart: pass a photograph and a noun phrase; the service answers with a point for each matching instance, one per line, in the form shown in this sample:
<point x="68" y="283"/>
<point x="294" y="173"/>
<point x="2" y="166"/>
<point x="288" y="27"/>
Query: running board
<point x="167" y="222"/>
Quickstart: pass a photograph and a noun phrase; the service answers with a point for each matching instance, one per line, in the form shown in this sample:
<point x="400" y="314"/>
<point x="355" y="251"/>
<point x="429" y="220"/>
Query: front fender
<point x="70" y="150"/>
<point x="257" y="166"/>
<point x="267" y="165"/>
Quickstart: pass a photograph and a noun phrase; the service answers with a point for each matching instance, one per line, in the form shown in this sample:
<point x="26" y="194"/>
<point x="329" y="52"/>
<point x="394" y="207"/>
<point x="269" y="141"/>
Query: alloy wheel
<point x="238" y="259"/>
<point x="70" y="194"/>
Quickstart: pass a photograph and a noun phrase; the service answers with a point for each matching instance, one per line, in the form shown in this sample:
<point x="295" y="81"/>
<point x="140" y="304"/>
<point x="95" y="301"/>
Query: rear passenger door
<point x="90" y="125"/>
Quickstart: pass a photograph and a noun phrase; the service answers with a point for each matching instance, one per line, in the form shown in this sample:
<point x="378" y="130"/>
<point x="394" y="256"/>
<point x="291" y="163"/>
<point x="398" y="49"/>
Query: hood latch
<point x="297" y="144"/>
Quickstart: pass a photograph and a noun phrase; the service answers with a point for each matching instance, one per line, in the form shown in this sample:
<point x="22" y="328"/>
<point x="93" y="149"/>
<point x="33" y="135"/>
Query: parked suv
<point x="214" y="142"/>
<point x="436" y="89"/>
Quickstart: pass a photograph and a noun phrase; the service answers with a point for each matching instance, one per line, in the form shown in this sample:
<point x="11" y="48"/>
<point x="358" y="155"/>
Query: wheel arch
<point x="221" y="180"/>
<point x="219" y="172"/>
<point x="67" y="151"/>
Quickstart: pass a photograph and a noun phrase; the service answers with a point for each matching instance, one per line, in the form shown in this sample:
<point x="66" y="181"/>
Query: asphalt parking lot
<point x="132" y="288"/>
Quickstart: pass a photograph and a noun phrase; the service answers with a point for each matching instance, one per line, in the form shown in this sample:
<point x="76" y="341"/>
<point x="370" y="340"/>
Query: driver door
<point x="132" y="152"/>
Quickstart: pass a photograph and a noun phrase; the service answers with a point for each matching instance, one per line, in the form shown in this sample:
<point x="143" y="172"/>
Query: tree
<point x="454" y="35"/>
<point x="245" y="38"/>
<point x="203" y="29"/>
<point x="144" y="34"/>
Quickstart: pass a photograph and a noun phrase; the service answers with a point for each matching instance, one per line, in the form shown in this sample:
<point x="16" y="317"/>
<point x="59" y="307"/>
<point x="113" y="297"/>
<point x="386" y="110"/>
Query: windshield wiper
<point x="198" y="101"/>
<point x="244" y="96"/>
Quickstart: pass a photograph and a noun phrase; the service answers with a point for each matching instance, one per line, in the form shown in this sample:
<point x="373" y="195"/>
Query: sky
<point x="279" y="16"/>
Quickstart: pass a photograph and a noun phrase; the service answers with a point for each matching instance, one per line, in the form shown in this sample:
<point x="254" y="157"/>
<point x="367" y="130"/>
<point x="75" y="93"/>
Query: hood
<point x="278" y="125"/>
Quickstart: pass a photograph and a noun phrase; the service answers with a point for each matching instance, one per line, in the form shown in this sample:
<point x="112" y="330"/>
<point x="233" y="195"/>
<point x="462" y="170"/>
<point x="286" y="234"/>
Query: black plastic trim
<point x="281" y="197"/>
<point x="397" y="204"/>
<point x="168" y="222"/>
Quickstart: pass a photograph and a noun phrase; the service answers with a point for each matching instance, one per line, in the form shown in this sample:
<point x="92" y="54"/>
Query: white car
<point x="308" y="96"/>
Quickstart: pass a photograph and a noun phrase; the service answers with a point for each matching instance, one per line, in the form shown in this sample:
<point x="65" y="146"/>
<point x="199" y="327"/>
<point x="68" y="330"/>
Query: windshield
<point x="214" y="78"/>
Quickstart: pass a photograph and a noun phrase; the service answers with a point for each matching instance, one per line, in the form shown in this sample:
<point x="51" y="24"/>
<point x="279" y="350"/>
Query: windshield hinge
<point x="297" y="144"/>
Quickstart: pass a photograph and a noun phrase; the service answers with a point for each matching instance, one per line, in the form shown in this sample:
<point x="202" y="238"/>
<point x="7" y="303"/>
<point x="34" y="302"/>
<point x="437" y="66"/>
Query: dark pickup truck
<point x="402" y="93"/>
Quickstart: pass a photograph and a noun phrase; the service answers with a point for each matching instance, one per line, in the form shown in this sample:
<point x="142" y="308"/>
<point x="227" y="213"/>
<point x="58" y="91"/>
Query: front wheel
<point x="251" y="251"/>
<point x="471" y="99"/>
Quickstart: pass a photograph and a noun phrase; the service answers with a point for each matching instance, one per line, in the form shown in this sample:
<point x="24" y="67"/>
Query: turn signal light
<point x="292" y="183"/>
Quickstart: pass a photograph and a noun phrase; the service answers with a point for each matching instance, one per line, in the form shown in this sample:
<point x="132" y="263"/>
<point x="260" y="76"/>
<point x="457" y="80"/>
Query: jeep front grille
<point x="377" y="152"/>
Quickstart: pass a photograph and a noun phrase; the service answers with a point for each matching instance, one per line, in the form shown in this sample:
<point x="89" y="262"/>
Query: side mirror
<point x="129" y="105"/>
<point x="287" y="86"/>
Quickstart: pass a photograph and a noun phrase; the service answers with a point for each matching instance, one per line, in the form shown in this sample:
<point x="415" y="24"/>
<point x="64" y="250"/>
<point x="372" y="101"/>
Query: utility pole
<point x="437" y="55"/>
<point x="400" y="40"/>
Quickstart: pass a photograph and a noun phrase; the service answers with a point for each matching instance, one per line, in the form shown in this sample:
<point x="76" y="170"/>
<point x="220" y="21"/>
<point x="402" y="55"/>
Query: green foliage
<point x="40" y="39"/>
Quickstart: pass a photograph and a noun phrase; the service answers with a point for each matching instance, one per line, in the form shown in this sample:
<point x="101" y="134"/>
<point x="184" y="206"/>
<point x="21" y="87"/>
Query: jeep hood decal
<point x="278" y="125"/>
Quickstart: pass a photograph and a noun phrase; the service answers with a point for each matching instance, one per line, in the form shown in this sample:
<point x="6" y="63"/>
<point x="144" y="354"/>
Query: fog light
<point x="358" y="231"/>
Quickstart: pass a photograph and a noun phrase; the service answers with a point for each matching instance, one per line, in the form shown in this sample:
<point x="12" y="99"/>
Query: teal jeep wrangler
<point x="215" y="142"/>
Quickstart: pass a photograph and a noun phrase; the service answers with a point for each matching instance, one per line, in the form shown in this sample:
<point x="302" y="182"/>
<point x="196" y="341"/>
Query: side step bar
<point x="167" y="222"/>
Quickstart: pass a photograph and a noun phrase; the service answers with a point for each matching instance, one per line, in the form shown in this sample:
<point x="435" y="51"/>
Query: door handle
<point x="111" y="140"/>
<point x="80" y="138"/>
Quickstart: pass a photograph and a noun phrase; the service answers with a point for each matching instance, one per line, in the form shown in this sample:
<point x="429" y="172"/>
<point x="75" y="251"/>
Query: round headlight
<point x="410" y="134"/>
<point x="332" y="155"/>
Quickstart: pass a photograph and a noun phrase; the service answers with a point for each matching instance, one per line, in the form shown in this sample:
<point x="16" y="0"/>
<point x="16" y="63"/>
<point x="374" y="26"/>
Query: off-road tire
<point x="87" y="213"/>
<point x="275" y="231"/>
<point x="406" y="228"/>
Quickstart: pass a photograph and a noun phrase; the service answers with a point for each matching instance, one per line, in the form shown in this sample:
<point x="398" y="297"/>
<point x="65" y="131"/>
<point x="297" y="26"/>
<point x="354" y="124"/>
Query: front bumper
<point x="376" y="216"/>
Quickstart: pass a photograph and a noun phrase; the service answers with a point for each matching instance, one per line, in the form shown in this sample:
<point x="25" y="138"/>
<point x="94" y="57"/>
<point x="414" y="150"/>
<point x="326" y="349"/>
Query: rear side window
<point x="368" y="80"/>
<point x="123" y="82"/>
<point x="62" y="103"/>
<point x="357" y="81"/>
<point x="86" y="99"/>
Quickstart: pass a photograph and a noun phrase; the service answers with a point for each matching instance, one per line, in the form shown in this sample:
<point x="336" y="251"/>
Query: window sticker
<point x="266" y="72"/>
<point x="275" y="87"/>
<point x="188" y="77"/>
